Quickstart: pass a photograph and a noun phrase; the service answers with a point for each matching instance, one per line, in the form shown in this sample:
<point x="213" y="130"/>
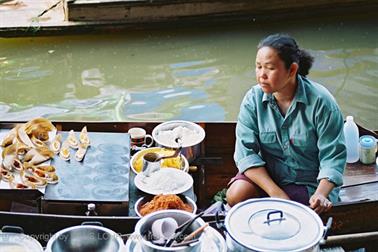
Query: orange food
<point x="164" y="202"/>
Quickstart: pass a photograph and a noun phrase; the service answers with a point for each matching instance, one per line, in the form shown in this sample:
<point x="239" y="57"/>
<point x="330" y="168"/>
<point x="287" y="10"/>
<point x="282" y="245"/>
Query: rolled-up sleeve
<point x="247" y="145"/>
<point x="331" y="144"/>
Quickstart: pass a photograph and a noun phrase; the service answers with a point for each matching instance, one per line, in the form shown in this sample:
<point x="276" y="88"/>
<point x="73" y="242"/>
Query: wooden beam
<point x="163" y="10"/>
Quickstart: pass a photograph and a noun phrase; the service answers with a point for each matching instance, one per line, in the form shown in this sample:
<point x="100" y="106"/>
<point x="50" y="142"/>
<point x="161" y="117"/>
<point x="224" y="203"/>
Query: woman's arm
<point x="260" y="177"/>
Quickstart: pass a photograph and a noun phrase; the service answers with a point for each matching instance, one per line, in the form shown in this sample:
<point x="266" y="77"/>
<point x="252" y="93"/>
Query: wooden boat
<point x="48" y="17"/>
<point x="355" y="219"/>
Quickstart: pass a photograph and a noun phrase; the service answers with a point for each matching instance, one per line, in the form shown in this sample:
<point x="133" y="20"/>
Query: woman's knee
<point x="239" y="191"/>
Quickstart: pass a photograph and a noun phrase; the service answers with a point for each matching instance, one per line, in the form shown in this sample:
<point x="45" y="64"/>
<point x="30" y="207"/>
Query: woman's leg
<point x="240" y="190"/>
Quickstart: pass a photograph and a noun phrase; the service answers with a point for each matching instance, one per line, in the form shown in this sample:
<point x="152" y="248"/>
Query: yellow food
<point x="176" y="162"/>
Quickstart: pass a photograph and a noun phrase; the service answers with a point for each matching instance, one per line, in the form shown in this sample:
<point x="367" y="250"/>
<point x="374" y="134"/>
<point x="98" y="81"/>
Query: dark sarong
<point x="298" y="193"/>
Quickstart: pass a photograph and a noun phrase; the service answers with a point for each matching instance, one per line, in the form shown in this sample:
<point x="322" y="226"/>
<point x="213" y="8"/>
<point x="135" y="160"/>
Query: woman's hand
<point x="320" y="203"/>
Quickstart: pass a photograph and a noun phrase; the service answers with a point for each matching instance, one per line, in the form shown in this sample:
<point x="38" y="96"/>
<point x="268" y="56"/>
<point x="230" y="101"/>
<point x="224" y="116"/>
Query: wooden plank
<point x="359" y="173"/>
<point x="353" y="218"/>
<point x="367" y="240"/>
<point x="360" y="192"/>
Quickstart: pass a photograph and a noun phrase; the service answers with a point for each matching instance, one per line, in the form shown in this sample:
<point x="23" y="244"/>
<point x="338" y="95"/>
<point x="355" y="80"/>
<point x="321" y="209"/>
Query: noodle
<point x="164" y="202"/>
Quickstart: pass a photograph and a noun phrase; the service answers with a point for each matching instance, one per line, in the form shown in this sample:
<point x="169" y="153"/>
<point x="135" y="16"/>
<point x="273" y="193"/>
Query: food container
<point x="368" y="148"/>
<point x="12" y="238"/>
<point x="136" y="162"/>
<point x="91" y="236"/>
<point x="269" y="224"/>
<point x="145" y="223"/>
<point x="141" y="201"/>
<point x="191" y="135"/>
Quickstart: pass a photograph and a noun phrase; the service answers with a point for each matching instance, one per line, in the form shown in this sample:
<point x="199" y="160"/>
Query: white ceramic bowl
<point x="184" y="165"/>
<point x="145" y="199"/>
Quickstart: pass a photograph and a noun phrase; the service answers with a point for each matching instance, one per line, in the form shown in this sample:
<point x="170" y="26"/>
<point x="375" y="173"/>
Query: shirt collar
<point x="300" y="94"/>
<point x="267" y="98"/>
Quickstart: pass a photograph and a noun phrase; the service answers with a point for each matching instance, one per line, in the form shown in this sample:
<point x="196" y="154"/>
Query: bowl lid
<point x="269" y="224"/>
<point x="368" y="141"/>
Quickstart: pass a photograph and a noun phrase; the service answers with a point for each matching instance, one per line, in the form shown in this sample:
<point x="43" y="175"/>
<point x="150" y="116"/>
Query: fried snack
<point x="164" y="202"/>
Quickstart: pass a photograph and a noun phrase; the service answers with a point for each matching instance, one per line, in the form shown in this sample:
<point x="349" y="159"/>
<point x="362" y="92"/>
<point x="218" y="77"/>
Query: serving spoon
<point x="151" y="160"/>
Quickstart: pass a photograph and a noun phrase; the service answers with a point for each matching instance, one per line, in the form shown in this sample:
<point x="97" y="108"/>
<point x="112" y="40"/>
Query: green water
<point x="193" y="74"/>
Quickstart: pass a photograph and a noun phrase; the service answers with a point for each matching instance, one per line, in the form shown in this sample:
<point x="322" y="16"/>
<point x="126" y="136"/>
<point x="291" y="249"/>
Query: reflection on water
<point x="192" y="74"/>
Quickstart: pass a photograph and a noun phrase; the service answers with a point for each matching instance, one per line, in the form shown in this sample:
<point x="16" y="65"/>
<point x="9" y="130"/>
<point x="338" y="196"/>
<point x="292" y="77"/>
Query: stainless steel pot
<point x="145" y="223"/>
<point x="87" y="237"/>
<point x="270" y="224"/>
<point x="12" y="238"/>
<point x="191" y="150"/>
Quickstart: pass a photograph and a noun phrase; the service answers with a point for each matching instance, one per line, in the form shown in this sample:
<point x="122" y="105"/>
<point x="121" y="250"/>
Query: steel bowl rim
<point x="21" y="237"/>
<point x="111" y="233"/>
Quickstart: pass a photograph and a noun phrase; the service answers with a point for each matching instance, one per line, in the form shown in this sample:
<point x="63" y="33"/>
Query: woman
<point x="289" y="134"/>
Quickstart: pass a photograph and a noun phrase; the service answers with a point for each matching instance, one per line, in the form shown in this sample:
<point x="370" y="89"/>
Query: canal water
<point x="194" y="73"/>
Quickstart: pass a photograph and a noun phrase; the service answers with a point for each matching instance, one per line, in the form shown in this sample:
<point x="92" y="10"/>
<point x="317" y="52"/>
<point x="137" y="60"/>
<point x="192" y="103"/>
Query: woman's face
<point x="271" y="73"/>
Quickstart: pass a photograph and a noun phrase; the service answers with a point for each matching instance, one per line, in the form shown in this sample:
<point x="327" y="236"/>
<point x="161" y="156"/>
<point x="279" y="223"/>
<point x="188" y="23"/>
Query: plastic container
<point x="91" y="210"/>
<point x="351" y="140"/>
<point x="368" y="147"/>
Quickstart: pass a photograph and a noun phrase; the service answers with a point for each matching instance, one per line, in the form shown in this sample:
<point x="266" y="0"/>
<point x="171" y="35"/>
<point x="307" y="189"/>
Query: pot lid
<point x="18" y="242"/>
<point x="269" y="224"/>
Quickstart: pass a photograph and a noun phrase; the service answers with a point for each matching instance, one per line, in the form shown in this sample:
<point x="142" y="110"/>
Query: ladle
<point x="151" y="160"/>
<point x="154" y="157"/>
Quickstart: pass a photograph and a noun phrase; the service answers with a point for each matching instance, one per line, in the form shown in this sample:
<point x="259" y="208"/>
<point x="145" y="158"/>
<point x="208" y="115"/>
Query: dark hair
<point x="288" y="50"/>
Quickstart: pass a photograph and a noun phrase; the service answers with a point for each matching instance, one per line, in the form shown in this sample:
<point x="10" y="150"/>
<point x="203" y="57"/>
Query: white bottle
<point x="351" y="139"/>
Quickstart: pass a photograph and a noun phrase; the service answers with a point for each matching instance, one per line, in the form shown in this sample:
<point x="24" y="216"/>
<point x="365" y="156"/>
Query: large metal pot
<point x="269" y="224"/>
<point x="12" y="238"/>
<point x="87" y="237"/>
<point x="145" y="223"/>
<point x="190" y="149"/>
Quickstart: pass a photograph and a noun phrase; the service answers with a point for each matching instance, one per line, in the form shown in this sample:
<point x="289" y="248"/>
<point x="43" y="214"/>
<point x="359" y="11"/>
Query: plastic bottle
<point x="91" y="210"/>
<point x="351" y="140"/>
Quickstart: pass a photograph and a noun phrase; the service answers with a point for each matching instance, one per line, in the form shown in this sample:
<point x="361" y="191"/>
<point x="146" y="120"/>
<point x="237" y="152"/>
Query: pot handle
<point x="12" y="229"/>
<point x="220" y="223"/>
<point x="94" y="223"/>
<point x="269" y="220"/>
<point x="327" y="228"/>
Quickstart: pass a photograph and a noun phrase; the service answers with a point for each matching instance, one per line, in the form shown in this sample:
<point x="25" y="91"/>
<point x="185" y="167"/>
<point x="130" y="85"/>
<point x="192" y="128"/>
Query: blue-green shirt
<point x="302" y="147"/>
